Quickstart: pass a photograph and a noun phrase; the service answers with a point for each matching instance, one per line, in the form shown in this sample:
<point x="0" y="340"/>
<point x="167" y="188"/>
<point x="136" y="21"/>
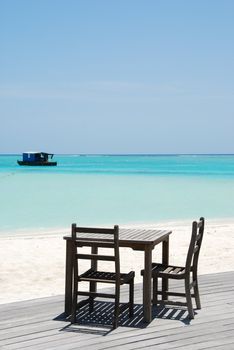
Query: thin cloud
<point x="104" y="89"/>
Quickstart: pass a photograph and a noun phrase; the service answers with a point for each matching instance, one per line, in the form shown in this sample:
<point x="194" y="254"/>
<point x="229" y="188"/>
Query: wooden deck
<point x="39" y="325"/>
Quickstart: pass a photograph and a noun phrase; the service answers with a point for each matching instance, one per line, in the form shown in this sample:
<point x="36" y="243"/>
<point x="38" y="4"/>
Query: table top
<point x="135" y="236"/>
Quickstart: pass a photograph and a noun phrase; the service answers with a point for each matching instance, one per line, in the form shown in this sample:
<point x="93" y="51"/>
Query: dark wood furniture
<point x="99" y="238"/>
<point x="167" y="272"/>
<point x="136" y="239"/>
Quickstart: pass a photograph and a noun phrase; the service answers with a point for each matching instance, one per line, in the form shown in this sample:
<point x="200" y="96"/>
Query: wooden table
<point x="137" y="239"/>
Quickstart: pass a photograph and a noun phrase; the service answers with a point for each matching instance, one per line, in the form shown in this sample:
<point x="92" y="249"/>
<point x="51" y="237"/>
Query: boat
<point x="37" y="159"/>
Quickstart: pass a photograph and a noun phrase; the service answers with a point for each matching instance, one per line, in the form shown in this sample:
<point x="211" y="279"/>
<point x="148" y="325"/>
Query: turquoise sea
<point x="120" y="189"/>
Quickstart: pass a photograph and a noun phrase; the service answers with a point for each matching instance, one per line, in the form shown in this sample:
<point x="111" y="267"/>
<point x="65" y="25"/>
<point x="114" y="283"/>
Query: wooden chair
<point x="95" y="238"/>
<point x="166" y="272"/>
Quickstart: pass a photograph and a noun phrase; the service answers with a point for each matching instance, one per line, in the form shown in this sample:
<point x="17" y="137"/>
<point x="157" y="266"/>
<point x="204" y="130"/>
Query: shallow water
<point x="112" y="190"/>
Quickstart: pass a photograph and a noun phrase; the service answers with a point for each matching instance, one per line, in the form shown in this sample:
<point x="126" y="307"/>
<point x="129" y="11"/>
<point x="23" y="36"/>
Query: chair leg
<point x="131" y="298"/>
<point x="189" y="298"/>
<point x="155" y="290"/>
<point x="116" y="310"/>
<point x="74" y="306"/>
<point x="92" y="288"/>
<point x="165" y="284"/>
<point x="91" y="302"/>
<point x="196" y="293"/>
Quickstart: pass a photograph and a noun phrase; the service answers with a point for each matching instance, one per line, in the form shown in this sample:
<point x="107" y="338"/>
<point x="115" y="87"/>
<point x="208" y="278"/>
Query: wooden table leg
<point x="147" y="285"/>
<point x="165" y="260"/>
<point x="68" y="278"/>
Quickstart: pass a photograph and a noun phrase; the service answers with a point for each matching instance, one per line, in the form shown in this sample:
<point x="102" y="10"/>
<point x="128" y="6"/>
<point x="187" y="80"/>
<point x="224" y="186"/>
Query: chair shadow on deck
<point x="163" y="311"/>
<point x="100" y="321"/>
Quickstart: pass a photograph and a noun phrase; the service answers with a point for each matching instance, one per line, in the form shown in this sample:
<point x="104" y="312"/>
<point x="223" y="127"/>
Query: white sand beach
<point x="33" y="265"/>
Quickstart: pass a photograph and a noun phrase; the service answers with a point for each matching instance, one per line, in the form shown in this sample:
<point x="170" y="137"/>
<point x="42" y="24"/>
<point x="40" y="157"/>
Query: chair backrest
<point x="195" y="245"/>
<point x="95" y="238"/>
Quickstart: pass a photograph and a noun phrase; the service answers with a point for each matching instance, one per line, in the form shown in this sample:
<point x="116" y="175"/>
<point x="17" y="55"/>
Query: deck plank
<point x="39" y="324"/>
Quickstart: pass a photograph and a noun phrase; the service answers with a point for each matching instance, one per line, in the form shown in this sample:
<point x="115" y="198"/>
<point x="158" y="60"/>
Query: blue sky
<point x="117" y="76"/>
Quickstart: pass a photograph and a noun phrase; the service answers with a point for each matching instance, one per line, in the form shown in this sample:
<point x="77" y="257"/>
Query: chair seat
<point x="106" y="277"/>
<point x="168" y="271"/>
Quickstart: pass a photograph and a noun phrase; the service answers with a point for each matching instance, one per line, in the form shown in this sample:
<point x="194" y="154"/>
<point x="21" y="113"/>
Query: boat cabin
<point x="35" y="157"/>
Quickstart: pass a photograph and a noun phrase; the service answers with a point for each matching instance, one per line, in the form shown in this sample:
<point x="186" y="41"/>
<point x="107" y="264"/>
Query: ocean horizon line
<point x="129" y="154"/>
